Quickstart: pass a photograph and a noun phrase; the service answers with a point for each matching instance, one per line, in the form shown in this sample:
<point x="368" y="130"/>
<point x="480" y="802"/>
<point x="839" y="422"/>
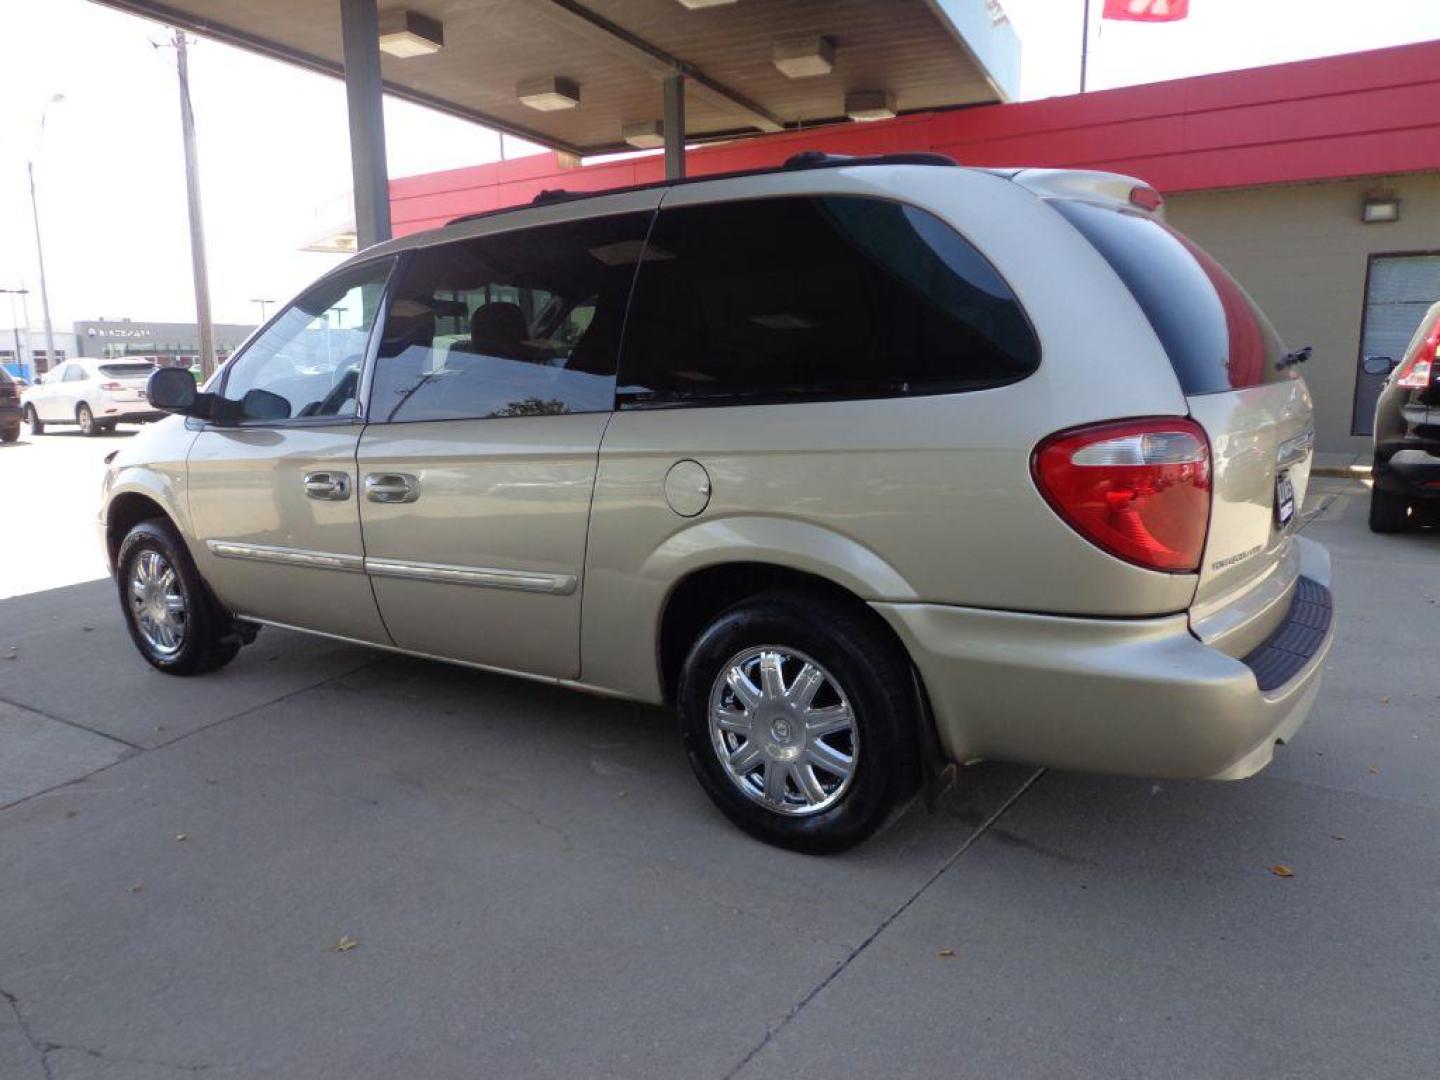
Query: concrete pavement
<point x="47" y="508"/>
<point x="535" y="886"/>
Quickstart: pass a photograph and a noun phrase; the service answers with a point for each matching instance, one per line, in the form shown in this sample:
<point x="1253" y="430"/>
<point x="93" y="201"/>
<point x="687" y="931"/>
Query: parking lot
<point x="330" y="862"/>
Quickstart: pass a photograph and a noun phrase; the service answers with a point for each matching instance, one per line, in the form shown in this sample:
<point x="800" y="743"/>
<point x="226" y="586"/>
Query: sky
<point x="273" y="142"/>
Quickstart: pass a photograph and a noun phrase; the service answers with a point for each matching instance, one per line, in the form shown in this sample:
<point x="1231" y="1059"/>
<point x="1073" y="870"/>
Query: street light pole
<point x="197" y="224"/>
<point x="262" y="303"/>
<point x="55" y="99"/>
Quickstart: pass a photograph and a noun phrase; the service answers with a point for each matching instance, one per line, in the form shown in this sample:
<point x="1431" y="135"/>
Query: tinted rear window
<point x="817" y="297"/>
<point x="1216" y="338"/>
<point x="125" y="371"/>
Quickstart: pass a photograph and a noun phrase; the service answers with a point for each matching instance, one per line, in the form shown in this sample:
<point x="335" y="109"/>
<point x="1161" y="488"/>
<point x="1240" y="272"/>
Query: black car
<point x="1407" y="432"/>
<point x="9" y="408"/>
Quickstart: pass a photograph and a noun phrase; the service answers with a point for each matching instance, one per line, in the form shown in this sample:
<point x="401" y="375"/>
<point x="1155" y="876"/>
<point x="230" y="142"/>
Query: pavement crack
<point x="71" y="723"/>
<point x="178" y="739"/>
<point x="41" y="1048"/>
<point x="885" y="923"/>
<point x="116" y="1059"/>
<point x="63" y="785"/>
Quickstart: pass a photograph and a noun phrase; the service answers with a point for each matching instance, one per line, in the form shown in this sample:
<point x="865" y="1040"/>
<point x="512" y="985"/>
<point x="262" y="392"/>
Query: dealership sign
<point x="117" y="332"/>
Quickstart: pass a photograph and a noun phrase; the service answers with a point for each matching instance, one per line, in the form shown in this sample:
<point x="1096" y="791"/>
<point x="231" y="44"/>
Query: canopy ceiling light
<point x="804" y="58"/>
<point x="695" y="5"/>
<point x="548" y="93"/>
<point x="870" y="105"/>
<point x="408" y="33"/>
<point x="644" y="134"/>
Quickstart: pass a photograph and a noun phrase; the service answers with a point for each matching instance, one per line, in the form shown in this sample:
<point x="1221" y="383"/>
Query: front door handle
<point x="391" y="487"/>
<point x="333" y="486"/>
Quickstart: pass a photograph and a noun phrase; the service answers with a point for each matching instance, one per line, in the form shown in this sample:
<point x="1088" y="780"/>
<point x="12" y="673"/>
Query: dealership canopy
<point x="607" y="75"/>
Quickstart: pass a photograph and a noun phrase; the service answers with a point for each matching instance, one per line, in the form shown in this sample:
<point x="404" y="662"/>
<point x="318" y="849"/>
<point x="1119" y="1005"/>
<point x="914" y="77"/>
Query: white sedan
<point x="95" y="394"/>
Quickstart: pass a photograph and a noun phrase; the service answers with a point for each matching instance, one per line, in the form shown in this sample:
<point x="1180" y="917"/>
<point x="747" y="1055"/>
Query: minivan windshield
<point x="1216" y="337"/>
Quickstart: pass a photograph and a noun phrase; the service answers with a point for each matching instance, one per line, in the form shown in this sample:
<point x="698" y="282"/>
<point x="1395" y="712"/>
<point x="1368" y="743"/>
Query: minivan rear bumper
<point x="1141" y="697"/>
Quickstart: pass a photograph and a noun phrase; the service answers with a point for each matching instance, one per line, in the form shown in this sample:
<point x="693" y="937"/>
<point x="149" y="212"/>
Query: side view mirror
<point x="174" y="390"/>
<point x="263" y="405"/>
<point x="1379" y="365"/>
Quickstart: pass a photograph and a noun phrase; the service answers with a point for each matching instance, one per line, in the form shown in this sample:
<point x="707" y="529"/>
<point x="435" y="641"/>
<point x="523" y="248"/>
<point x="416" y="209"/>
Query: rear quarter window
<point x="1215" y="335"/>
<point x="816" y="297"/>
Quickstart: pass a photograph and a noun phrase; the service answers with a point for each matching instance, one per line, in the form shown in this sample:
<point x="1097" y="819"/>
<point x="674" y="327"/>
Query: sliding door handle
<point x="391" y="488"/>
<point x="333" y="486"/>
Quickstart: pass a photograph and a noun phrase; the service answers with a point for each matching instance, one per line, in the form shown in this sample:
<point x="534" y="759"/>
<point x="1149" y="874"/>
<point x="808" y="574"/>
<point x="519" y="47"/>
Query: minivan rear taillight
<point x="1140" y="489"/>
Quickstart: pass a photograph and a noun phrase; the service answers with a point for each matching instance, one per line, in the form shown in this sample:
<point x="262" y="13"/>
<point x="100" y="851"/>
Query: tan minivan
<point x="868" y="466"/>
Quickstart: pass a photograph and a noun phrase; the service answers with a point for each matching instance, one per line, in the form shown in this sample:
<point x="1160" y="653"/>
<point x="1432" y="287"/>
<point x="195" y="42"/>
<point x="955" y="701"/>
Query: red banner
<point x="1146" y="10"/>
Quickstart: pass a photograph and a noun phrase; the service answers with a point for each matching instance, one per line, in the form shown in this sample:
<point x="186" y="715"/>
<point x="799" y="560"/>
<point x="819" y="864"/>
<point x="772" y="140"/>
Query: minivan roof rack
<point x="805" y="159"/>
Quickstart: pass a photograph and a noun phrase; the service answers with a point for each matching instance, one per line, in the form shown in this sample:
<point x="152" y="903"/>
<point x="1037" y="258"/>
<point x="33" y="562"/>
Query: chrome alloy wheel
<point x="157" y="602"/>
<point x="783" y="730"/>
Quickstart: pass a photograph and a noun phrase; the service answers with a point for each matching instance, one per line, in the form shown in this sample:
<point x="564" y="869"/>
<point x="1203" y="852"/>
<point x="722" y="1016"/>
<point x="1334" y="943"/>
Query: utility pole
<point x="1085" y="46"/>
<point x="197" y="223"/>
<point x="55" y="99"/>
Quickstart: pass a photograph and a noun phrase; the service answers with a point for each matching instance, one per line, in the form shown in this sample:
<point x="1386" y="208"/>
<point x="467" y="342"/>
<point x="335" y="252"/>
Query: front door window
<point x="307" y="363"/>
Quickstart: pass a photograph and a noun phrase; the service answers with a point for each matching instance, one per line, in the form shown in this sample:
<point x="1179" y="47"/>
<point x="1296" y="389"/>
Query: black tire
<point x="86" y="419"/>
<point x="867" y="667"/>
<point x="10" y="434"/>
<point x="37" y="426"/>
<point x="210" y="639"/>
<point x="1388" y="513"/>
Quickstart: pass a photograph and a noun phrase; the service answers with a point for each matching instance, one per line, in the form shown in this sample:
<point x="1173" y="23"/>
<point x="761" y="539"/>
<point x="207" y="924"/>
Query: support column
<point x="360" y="37"/>
<point x="198" y="264"/>
<point x="674" y="127"/>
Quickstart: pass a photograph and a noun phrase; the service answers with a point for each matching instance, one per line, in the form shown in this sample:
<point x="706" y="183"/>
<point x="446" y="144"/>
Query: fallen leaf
<point x="1337" y="836"/>
<point x="1281" y="870"/>
<point x="1385" y="700"/>
<point x="87" y="629"/>
<point x="182" y="836"/>
<point x="345" y="944"/>
<point x="947" y="953"/>
<point x="137" y="887"/>
<point x="1372" y="769"/>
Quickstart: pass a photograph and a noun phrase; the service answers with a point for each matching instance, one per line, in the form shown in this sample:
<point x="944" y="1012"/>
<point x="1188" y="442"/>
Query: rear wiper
<point x="1290" y="359"/>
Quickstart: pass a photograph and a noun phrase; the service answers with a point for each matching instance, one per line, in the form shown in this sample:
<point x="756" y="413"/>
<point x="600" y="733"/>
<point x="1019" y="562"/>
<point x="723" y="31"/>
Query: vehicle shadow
<point x="75" y="433"/>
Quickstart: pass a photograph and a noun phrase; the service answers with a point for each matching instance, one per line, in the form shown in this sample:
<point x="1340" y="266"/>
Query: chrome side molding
<point x="269" y="553"/>
<point x="484" y="577"/>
